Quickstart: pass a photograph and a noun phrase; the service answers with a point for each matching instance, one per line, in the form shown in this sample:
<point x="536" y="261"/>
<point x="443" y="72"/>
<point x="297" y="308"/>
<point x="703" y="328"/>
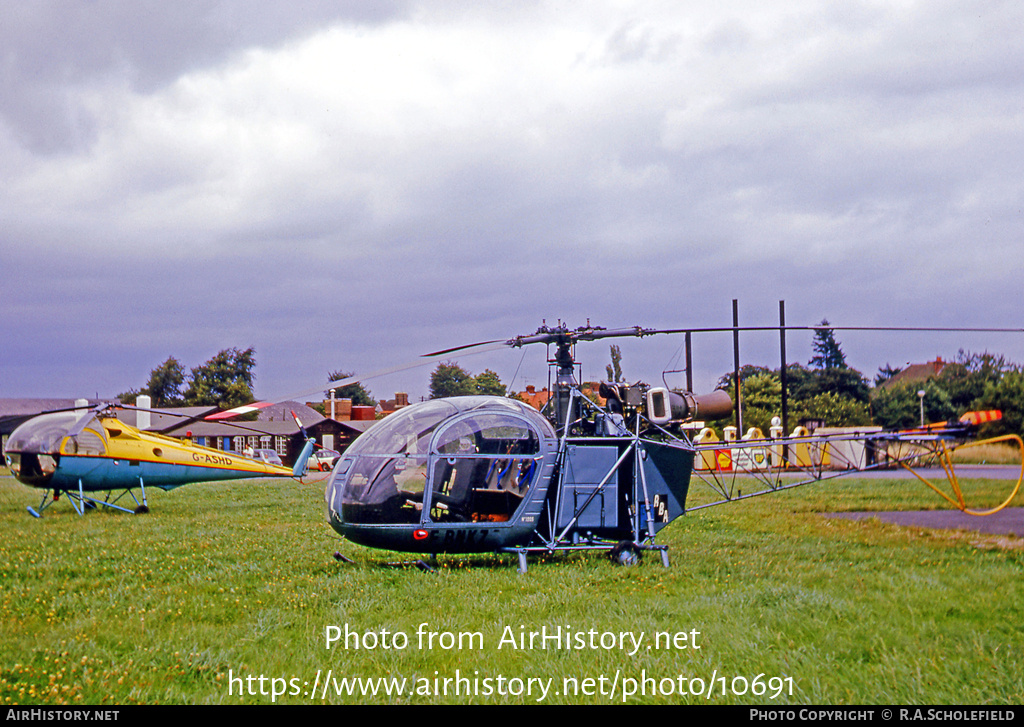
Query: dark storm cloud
<point x="54" y="50"/>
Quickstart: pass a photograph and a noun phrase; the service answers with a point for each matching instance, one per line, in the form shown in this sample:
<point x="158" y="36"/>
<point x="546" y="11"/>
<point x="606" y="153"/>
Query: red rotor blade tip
<point x="239" y="410"/>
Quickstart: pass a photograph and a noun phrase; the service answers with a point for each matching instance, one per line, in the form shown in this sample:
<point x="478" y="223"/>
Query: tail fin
<point x="299" y="469"/>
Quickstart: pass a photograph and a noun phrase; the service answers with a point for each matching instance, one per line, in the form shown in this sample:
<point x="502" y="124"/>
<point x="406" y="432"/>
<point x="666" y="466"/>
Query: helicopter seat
<point x="494" y="506"/>
<point x="520" y="475"/>
<point x="454" y="488"/>
<point x="508" y="482"/>
<point x="502" y="474"/>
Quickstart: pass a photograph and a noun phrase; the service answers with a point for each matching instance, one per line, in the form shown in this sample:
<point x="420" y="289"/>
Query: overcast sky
<point x="347" y="185"/>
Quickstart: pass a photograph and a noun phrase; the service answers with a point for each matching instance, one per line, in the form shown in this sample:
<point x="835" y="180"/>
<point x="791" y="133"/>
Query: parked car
<point x="267" y="455"/>
<point x="323" y="460"/>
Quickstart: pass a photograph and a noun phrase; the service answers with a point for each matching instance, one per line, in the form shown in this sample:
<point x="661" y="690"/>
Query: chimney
<point x="143" y="418"/>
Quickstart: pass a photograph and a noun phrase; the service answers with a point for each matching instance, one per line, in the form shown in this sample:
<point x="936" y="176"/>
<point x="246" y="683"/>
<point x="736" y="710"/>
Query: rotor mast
<point x="564" y="339"/>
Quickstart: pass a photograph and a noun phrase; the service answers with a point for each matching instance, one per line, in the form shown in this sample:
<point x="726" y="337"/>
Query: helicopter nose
<point x="30" y="468"/>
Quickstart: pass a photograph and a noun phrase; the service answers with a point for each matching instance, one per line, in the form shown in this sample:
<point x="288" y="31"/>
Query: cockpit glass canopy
<point x="405" y="432"/>
<point x="488" y="433"/>
<point x="43" y="434"/>
<point x="459" y="459"/>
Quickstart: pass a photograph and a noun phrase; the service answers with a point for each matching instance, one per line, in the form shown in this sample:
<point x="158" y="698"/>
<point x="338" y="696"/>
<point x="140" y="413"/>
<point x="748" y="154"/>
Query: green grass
<point x="238" y="580"/>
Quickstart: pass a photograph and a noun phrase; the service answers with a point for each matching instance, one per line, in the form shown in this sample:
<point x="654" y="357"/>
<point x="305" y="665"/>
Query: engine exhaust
<point x="664" y="406"/>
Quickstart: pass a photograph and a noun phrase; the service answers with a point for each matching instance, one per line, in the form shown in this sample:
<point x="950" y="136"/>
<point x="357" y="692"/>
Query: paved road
<point x="963" y="471"/>
<point x="1009" y="521"/>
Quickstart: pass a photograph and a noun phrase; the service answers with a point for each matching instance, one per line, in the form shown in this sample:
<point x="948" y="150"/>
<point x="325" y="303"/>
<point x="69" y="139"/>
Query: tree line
<point x="226" y="380"/>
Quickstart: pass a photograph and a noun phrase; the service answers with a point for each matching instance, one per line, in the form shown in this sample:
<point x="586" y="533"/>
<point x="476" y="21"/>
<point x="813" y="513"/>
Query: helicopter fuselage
<point x="59" y="452"/>
<point x="480" y="474"/>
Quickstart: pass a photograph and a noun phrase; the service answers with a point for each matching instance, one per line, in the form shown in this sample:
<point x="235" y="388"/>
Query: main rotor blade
<point x="504" y="344"/>
<point x="588" y="333"/>
<point x="84" y="420"/>
<point x="897" y="329"/>
<point x="189" y="419"/>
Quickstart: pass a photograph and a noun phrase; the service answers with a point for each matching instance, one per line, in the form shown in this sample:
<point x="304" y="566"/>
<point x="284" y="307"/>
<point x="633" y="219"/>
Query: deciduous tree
<point x="450" y="379"/>
<point x="899" y="406"/>
<point x="165" y="383"/>
<point x="1006" y="395"/>
<point x="967" y="378"/>
<point x="762" y="400"/>
<point x="489" y="383"/>
<point x="225" y="380"/>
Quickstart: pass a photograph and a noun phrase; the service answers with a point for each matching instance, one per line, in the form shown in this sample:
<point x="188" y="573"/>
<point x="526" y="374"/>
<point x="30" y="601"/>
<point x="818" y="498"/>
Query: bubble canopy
<point x="472" y="459"/>
<point x="44" y="433"/>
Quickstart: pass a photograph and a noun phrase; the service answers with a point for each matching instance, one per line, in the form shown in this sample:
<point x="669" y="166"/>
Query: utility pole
<point x="736" y="365"/>
<point x="782" y="370"/>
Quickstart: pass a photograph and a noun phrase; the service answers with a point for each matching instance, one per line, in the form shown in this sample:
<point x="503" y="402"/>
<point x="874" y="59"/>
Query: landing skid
<point x="624" y="553"/>
<point x="82" y="502"/>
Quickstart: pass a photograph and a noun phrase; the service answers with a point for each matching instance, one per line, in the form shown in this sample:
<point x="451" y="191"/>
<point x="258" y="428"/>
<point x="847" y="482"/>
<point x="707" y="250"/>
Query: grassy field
<point x="223" y="584"/>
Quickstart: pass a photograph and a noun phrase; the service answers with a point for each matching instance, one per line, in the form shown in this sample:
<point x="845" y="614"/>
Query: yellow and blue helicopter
<point x="83" y="453"/>
<point x="87" y="451"/>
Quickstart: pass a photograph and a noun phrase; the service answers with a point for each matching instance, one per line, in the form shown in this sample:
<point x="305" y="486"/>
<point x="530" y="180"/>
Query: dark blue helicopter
<point x="492" y="474"/>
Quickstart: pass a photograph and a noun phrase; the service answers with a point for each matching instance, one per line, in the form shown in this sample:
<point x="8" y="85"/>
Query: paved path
<point x="963" y="471"/>
<point x="1009" y="521"/>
